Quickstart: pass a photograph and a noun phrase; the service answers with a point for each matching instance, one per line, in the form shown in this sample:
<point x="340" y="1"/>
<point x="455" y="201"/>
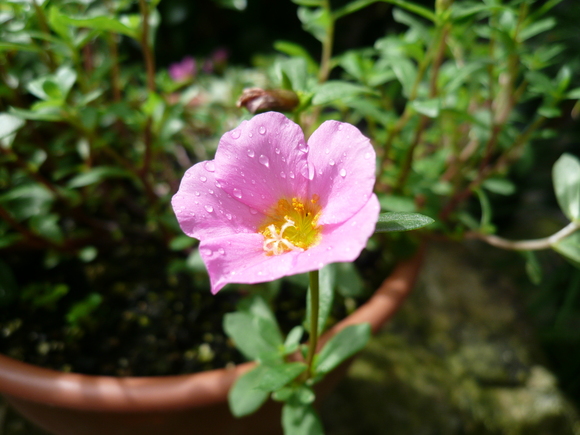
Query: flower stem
<point x="314" y="305"/>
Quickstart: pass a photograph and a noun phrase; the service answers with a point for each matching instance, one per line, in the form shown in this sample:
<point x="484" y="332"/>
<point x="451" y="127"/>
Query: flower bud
<point x="258" y="100"/>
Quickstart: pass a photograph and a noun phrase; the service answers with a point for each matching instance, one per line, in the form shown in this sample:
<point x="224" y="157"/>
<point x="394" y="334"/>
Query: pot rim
<point x="25" y="381"/>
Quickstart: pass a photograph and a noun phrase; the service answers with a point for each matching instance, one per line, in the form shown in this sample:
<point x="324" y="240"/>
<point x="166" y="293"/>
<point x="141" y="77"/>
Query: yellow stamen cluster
<point x="291" y="226"/>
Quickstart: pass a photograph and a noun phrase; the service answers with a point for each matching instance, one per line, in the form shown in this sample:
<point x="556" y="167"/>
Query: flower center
<point x="291" y="226"/>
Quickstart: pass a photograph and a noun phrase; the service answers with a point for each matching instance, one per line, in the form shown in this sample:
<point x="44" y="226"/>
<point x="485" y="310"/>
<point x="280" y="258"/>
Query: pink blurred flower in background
<point x="271" y="205"/>
<point x="183" y="70"/>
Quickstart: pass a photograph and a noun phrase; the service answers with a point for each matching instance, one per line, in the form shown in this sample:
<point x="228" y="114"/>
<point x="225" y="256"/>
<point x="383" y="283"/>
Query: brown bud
<point x="258" y="100"/>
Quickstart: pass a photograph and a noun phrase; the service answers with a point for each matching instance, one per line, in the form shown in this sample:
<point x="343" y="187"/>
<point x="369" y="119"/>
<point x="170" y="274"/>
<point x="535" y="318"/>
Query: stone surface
<point x="460" y="358"/>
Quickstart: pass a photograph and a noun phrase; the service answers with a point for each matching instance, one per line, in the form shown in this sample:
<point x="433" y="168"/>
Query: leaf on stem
<point x="342" y="346"/>
<point x="566" y="178"/>
<point x="401" y="221"/>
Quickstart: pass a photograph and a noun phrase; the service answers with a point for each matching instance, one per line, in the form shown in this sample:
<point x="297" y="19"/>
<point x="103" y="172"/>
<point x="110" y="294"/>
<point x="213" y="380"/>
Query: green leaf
<point x="566" y="178"/>
<point x="327" y="280"/>
<point x="254" y="336"/>
<point x="9" y="125"/>
<point x="570" y="248"/>
<point x="501" y="186"/>
<point x="349" y="282"/>
<point x="83" y="309"/>
<point x="397" y="203"/>
<point x="342" y="346"/>
<point x="429" y="108"/>
<point x="244" y="398"/>
<point x="533" y="267"/>
<point x="537" y="27"/>
<point x="308" y="2"/>
<point x="27" y="200"/>
<point x="277" y="376"/>
<point x="336" y="90"/>
<point x="298" y="419"/>
<point x="294" y="70"/>
<point x="104" y="22"/>
<point x="315" y="21"/>
<point x="297" y="51"/>
<point x="97" y="175"/>
<point x="399" y="221"/>
<point x="293" y="339"/>
<point x="42" y="295"/>
<point x="406" y="72"/>
<point x="573" y="94"/>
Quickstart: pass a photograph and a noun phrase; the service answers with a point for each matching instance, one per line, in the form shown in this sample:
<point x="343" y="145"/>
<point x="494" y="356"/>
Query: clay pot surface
<point x="75" y="404"/>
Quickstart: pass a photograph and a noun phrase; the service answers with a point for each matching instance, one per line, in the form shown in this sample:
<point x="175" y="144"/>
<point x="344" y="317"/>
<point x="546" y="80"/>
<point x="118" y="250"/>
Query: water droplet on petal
<point x="217" y="184"/>
<point x="291" y="174"/>
<point x="197" y="193"/>
<point x="331" y="162"/>
<point x="238" y="193"/>
<point x="326" y="151"/>
<point x="342" y="172"/>
<point x="203" y="179"/>
<point x="229" y="216"/>
<point x="253" y="181"/>
<point x="208" y="252"/>
<point x="210" y="191"/>
<point x="250" y="134"/>
<point x="367" y="156"/>
<point x="262" y="130"/>
<point x="308" y="171"/>
<point x="251" y="153"/>
<point x="303" y="147"/>
<point x="221" y="251"/>
<point x="277" y="150"/>
<point x="235" y="134"/>
<point x="253" y="211"/>
<point x="283" y="174"/>
<point x="340" y="126"/>
<point x="264" y="160"/>
<point x="209" y="208"/>
<point x="209" y="166"/>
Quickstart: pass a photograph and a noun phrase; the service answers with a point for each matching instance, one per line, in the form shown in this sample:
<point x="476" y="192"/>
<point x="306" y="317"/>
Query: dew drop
<point x="229" y="216"/>
<point x="320" y="172"/>
<point x="192" y="214"/>
<point x="203" y="179"/>
<point x="253" y="211"/>
<point x="342" y="172"/>
<point x="253" y="181"/>
<point x="221" y="251"/>
<point x="367" y="156"/>
<point x="283" y="174"/>
<point x="210" y="191"/>
<point x="264" y="160"/>
<point x="303" y="147"/>
<point x="209" y="208"/>
<point x="238" y="193"/>
<point x="291" y="174"/>
<point x="308" y="171"/>
<point x="217" y="184"/>
<point x="262" y="130"/>
<point x="208" y="252"/>
<point x="340" y="126"/>
<point x="251" y="153"/>
<point x="327" y="151"/>
<point x="235" y="134"/>
<point x="197" y="193"/>
<point x="209" y="166"/>
<point x="332" y="162"/>
<point x="250" y="134"/>
<point x="284" y="159"/>
<point x="277" y="150"/>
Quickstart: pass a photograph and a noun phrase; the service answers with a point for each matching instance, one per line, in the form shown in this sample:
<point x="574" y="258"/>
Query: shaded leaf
<point x="97" y="175"/>
<point x="298" y="419"/>
<point x="244" y="398"/>
<point x="275" y="377"/>
<point x="342" y="346"/>
<point x="337" y="90"/>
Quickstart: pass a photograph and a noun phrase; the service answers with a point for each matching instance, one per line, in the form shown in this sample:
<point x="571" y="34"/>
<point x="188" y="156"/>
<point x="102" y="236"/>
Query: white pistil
<point x="273" y="244"/>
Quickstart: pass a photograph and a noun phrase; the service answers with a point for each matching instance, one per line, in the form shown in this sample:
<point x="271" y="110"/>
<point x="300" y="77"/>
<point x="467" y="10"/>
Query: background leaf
<point x="342" y="346"/>
<point x="244" y="398"/>
<point x="566" y="177"/>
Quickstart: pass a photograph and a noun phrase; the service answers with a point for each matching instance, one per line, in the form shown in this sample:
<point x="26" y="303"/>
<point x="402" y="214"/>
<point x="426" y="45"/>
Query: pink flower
<point x="271" y="205"/>
<point x="183" y="70"/>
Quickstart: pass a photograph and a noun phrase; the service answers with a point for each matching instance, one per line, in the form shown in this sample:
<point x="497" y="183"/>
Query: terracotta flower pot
<point x="74" y="404"/>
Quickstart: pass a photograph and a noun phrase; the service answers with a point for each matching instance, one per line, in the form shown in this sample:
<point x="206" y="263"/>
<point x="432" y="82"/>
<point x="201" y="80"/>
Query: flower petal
<point x="241" y="258"/>
<point x="343" y="161"/>
<point x="341" y="242"/>
<point x="262" y="160"/>
<point x="204" y="210"/>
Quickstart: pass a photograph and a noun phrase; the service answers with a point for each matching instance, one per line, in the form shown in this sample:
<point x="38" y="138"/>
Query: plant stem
<point x="314" y="305"/>
<point x="528" y="245"/>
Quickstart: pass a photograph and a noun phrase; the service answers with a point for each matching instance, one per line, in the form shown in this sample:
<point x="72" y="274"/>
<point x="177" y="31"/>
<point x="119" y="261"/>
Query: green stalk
<point x="314" y="306"/>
